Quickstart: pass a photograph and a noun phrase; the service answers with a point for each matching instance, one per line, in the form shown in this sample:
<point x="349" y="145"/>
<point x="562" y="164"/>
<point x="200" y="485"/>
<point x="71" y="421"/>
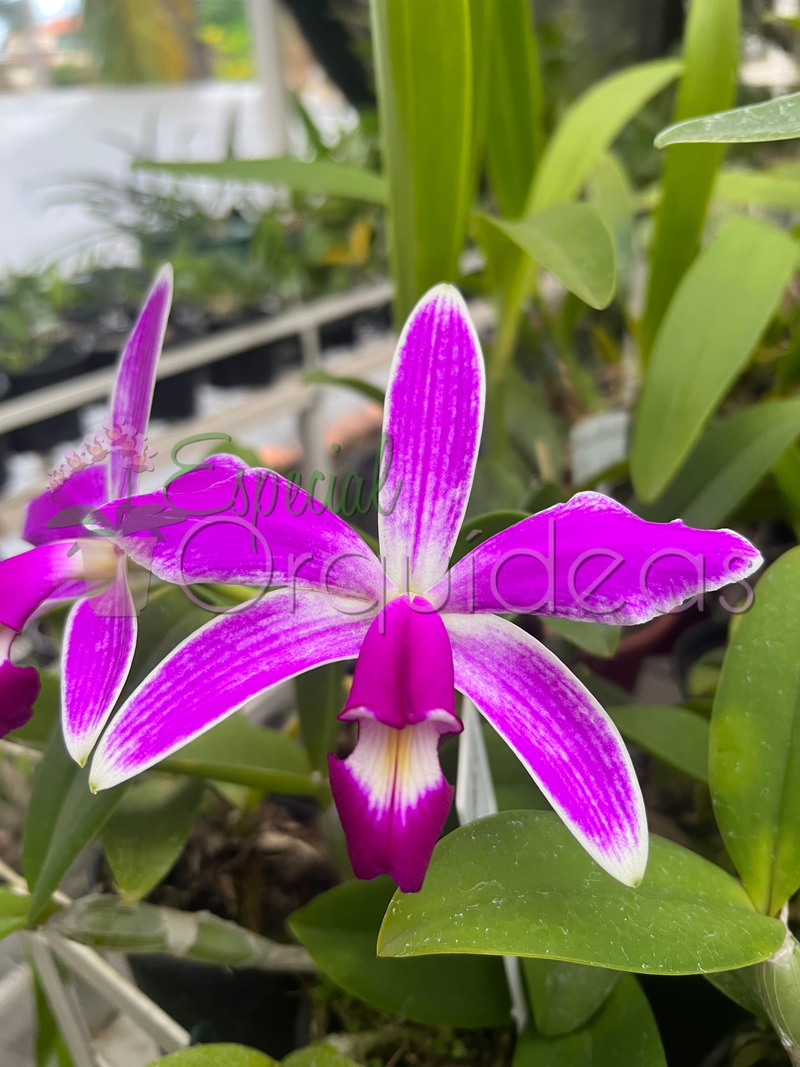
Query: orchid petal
<point x="136" y="375"/>
<point x="393" y="799"/>
<point x="99" y="642"/>
<point x="560" y="733"/>
<point x="592" y="559"/>
<point x="225" y="522"/>
<point x="432" y="426"/>
<point x="217" y="670"/>
<point x="19" y="688"/>
<point x="54" y="516"/>
<point x="28" y="579"/>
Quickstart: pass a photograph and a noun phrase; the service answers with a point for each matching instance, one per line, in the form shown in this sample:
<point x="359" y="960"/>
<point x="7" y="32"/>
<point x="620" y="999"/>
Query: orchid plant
<point x="417" y="628"/>
<point x="100" y="634"/>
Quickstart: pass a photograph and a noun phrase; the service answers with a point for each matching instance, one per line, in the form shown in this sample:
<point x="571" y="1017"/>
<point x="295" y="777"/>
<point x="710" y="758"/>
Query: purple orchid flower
<point x="100" y="633"/>
<point x="417" y="629"/>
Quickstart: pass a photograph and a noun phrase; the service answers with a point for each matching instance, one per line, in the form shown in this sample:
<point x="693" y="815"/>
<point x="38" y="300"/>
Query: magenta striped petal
<point x="99" y="642"/>
<point x="229" y="523"/>
<point x="54" y="516"/>
<point x="560" y="733"/>
<point x="432" y="428"/>
<point x="27" y="580"/>
<point x="19" y="687"/>
<point x="136" y="375"/>
<point x="217" y="670"/>
<point x="594" y="560"/>
<point x="392" y="798"/>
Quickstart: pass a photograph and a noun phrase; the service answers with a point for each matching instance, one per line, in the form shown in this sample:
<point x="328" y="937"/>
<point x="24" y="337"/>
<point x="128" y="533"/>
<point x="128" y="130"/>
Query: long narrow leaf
<point x="774" y="120"/>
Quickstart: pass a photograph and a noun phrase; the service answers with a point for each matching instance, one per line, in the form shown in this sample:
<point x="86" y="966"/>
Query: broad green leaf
<point x="624" y="1034"/>
<point x="340" y="930"/>
<point x="317" y="1056"/>
<point x="677" y="736"/>
<point x="774" y="120"/>
<point x="564" y="996"/>
<point x="755" y="740"/>
<point x="481" y="14"/>
<point x="63" y="815"/>
<point x="146" y="834"/>
<point x="597" y="638"/>
<point x="423" y="73"/>
<point x="481" y="528"/>
<point x="726" y="464"/>
<point x="718" y="314"/>
<point x="610" y="195"/>
<point x="13" y="911"/>
<point x="711" y="58"/>
<point x="573" y="243"/>
<point x="216" y="1056"/>
<point x="358" y="385"/>
<point x="590" y="125"/>
<point x="742" y="987"/>
<point x="515" y="134"/>
<point x="239" y="752"/>
<point x="511" y="884"/>
<point x="319" y="698"/>
<point x="330" y="179"/>
<point x="787" y="475"/>
<point x="771" y="190"/>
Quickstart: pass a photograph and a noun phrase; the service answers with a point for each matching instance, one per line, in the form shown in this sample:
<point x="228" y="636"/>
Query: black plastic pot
<point x="251" y="1007"/>
<point x="174" y="398"/>
<point x="65" y="360"/>
<point x="256" y="366"/>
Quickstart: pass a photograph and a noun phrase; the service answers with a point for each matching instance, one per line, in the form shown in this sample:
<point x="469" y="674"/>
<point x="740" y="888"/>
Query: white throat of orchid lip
<point x="99" y="558"/>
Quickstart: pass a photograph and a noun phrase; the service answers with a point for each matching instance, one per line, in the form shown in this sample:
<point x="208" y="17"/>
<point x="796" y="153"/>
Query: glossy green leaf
<point x="597" y="638"/>
<point x="726" y="464"/>
<point x="590" y="125"/>
<point x="755" y="740"/>
<point x="624" y="1034"/>
<point x="718" y="314"/>
<point x="677" y="736"/>
<point x="13" y="911"/>
<point x="330" y="179"/>
<point x="515" y="135"/>
<point x="511" y="884"/>
<point x="146" y="834"/>
<point x="223" y="1055"/>
<point x="774" y="120"/>
<point x="573" y="243"/>
<point x="711" y="57"/>
<point x="319" y="698"/>
<point x="481" y="528"/>
<point x="564" y="996"/>
<point x="317" y="1056"/>
<point x="758" y="187"/>
<point x="358" y="385"/>
<point x="423" y="72"/>
<point x="340" y="930"/>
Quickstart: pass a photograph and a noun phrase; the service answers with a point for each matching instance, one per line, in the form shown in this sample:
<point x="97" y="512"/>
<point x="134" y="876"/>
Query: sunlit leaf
<point x="774" y="120"/>
<point x="771" y="190"/>
<point x="216" y="1056"/>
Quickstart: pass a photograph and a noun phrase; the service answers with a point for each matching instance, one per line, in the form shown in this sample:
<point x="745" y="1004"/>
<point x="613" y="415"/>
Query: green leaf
<point x="755" y="740"/>
<point x="319" y="698"/>
<point x="711" y="56"/>
<point x="772" y="190"/>
<point x="358" y="385"/>
<point x="13" y="911"/>
<point x="215" y="1056"/>
<point x="718" y="314"/>
<point x="340" y="930"/>
<point x="573" y="243"/>
<point x="534" y="428"/>
<point x="597" y="638"/>
<point x="476" y="531"/>
<point x="317" y="1056"/>
<point x="513" y="785"/>
<point x="239" y="752"/>
<point x="146" y="834"/>
<point x="610" y="195"/>
<point x="774" y="120"/>
<point x="511" y="884"/>
<point x="51" y="784"/>
<point x="726" y="464"/>
<point x="423" y="71"/>
<point x="590" y="125"/>
<point x="481" y="12"/>
<point x="564" y="996"/>
<point x="515" y="134"/>
<point x="330" y="179"/>
<point x="624" y="1034"/>
<point x="677" y="736"/>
